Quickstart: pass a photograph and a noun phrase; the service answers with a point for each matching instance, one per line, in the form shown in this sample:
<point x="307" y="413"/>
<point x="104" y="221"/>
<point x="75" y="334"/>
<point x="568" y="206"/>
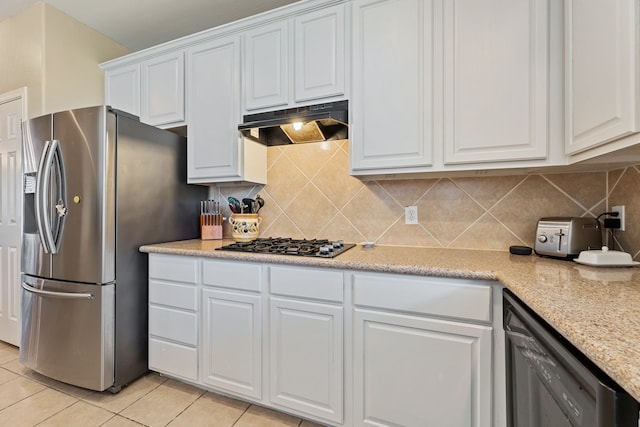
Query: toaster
<point x="566" y="237"/>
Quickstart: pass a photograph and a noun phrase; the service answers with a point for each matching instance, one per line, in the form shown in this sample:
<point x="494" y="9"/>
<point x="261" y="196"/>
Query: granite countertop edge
<point x="596" y="309"/>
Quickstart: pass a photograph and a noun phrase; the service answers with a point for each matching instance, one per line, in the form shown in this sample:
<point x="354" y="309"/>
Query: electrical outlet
<point x="411" y="215"/>
<point x="620" y="210"/>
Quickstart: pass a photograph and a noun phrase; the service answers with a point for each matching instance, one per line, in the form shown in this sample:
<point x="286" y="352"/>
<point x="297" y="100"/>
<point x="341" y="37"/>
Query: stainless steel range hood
<point x="313" y="123"/>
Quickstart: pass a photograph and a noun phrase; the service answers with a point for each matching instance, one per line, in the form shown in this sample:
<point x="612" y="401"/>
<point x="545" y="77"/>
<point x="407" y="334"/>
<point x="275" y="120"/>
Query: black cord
<point x="607" y="213"/>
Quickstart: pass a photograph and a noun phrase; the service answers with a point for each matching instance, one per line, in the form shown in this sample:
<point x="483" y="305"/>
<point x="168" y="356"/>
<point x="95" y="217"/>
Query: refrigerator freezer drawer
<point x="68" y="331"/>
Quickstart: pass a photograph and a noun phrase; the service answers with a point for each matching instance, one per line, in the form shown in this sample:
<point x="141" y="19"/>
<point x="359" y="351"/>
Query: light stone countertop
<point x="596" y="309"/>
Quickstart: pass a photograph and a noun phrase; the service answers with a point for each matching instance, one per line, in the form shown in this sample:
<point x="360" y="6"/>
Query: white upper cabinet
<point x="392" y="84"/>
<point x="123" y="88"/>
<point x="216" y="151"/>
<point x="162" y="89"/>
<point x="295" y="60"/>
<point x="319" y="54"/>
<point x="267" y="66"/>
<point x="152" y="89"/>
<point x="496" y="80"/>
<point x="456" y="85"/>
<point x="602" y="93"/>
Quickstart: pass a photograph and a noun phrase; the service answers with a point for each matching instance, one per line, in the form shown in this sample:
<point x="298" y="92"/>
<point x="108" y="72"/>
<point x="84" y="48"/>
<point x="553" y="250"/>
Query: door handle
<point x="42" y="182"/>
<point x="66" y="295"/>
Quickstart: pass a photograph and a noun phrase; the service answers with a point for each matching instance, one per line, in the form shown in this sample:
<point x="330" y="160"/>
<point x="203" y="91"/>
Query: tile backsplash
<point x="311" y="195"/>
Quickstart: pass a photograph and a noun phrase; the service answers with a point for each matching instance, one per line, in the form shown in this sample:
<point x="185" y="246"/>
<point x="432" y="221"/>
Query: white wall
<point x="55" y="57"/>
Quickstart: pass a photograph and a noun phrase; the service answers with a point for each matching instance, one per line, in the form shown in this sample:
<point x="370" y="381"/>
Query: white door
<point x="496" y="80"/>
<point x="319" y="54"/>
<point x="232" y="342"/>
<point x="413" y="371"/>
<point x="601" y="72"/>
<point x="306" y="357"/>
<point x="162" y="89"/>
<point x="266" y="66"/>
<point x="10" y="217"/>
<point x="392" y="103"/>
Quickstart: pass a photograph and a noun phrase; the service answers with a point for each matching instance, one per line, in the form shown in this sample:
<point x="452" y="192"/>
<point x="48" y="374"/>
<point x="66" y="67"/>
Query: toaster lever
<point x="560" y="234"/>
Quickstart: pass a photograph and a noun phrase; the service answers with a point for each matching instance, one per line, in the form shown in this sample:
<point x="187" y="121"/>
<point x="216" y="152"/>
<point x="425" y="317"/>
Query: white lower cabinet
<point x="412" y="371"/>
<point x="420" y="358"/>
<point x="173" y="315"/>
<point x="231" y="351"/>
<point x="337" y="347"/>
<point x="306" y="342"/>
<point x="231" y="342"/>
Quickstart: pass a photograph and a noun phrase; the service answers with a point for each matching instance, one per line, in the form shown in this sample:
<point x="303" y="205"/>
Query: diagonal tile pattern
<point x="29" y="399"/>
<point x="623" y="190"/>
<point x="471" y="213"/>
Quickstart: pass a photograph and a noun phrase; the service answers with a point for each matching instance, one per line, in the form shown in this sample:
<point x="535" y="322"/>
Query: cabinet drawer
<point x="173" y="359"/>
<point x="174" y="268"/>
<point x="173" y="294"/>
<point x="457" y="298"/>
<point x="323" y="285"/>
<point x="233" y="275"/>
<point x="173" y="324"/>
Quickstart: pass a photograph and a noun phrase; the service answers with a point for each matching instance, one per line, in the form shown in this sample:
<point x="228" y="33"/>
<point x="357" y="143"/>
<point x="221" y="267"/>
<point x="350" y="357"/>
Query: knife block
<point x="211" y="226"/>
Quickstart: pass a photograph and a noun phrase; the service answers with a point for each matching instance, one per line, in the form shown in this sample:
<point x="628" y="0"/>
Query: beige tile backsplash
<point x="311" y="195"/>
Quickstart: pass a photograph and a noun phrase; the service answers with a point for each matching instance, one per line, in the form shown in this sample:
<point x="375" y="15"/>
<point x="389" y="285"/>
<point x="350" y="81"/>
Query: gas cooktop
<point x="287" y="246"/>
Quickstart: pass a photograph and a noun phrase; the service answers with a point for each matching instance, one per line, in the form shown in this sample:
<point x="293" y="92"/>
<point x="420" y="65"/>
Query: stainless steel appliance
<point x="566" y="237"/>
<point x="97" y="185"/>
<point x="312" y="123"/>
<point x="288" y="246"/>
<point x="551" y="384"/>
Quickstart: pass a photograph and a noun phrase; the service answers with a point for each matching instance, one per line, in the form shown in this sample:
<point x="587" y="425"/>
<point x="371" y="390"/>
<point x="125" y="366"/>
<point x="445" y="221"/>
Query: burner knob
<point x="338" y="244"/>
<point x="326" y="249"/>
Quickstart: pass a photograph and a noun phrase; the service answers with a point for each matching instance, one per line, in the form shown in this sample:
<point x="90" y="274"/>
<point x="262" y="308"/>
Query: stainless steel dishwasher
<point x="551" y="384"/>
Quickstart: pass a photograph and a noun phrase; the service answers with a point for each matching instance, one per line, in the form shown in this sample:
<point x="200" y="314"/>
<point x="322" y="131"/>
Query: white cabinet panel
<point x="601" y="72"/>
<point x="267" y="66"/>
<point x="319" y="54"/>
<point x="242" y="276"/>
<point x="173" y="268"/>
<point x="123" y="88"/>
<point x="414" y="371"/>
<point x="392" y="102"/>
<point x="162" y="89"/>
<point x="215" y="150"/>
<point x="306" y="357"/>
<point x="496" y="80"/>
<point x="172" y="324"/>
<point x="173" y="359"/>
<point x="232" y="342"/>
<point x="456" y="298"/>
<point x="320" y="284"/>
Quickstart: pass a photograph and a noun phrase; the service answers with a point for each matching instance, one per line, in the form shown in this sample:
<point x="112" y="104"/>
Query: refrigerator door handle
<point x="67" y="295"/>
<point x="41" y="200"/>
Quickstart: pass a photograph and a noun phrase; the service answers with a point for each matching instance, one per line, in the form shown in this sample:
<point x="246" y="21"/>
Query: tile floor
<point x="30" y="399"/>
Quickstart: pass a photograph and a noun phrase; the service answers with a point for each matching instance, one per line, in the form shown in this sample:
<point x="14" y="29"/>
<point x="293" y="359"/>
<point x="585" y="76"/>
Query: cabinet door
<point x="319" y="54"/>
<point x="266" y="66"/>
<point x="162" y="89"/>
<point x="306" y="357"/>
<point x="122" y="86"/>
<point x="232" y="342"/>
<point x="213" y="144"/>
<point x="496" y="80"/>
<point x="391" y="120"/>
<point x="601" y="72"/>
<point x="413" y="371"/>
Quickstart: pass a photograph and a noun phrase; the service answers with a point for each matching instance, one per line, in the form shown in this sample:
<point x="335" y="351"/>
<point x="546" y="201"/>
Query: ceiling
<point x="140" y="24"/>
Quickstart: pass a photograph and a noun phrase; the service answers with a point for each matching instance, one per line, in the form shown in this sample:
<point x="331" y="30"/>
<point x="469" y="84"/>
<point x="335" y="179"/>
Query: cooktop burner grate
<point x="287" y="246"/>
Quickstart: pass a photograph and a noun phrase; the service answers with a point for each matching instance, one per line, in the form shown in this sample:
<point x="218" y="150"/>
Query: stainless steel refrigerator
<point x="97" y="185"/>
